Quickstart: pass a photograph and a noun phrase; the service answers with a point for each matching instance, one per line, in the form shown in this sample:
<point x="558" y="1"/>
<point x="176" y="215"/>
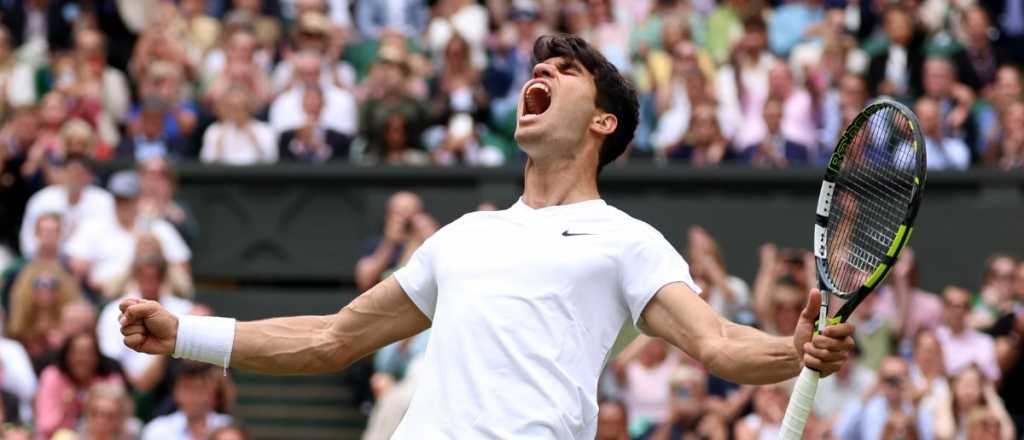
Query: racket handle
<point x="800" y="404"/>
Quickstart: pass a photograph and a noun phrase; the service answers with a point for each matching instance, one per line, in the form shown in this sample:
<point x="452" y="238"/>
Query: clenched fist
<point x="825" y="352"/>
<point x="148" y="327"/>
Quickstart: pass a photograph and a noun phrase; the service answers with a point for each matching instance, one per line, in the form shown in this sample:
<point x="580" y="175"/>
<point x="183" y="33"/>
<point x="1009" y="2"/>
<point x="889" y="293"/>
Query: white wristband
<point x="205" y="338"/>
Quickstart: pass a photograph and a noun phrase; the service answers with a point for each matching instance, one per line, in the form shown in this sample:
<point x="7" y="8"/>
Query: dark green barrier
<point x="302" y="223"/>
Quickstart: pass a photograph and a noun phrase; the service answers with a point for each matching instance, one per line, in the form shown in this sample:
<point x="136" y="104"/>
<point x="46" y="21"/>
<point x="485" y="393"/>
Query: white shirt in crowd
<point x="94" y="203"/>
<point x="947" y="154"/>
<point x="18" y="377"/>
<point x="108" y="332"/>
<point x="339" y="112"/>
<point x="175" y="426"/>
<point x="110" y="248"/>
<point x="343" y="73"/>
<point x="228" y="144"/>
<point x="525" y="305"/>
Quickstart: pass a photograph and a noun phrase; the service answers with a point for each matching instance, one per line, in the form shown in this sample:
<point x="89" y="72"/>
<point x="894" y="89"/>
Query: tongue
<point x="537" y="101"/>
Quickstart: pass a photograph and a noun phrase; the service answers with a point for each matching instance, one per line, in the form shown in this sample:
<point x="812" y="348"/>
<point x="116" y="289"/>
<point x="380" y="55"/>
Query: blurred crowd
<point x="946" y="365"/>
<point x="416" y="82"/>
<point x="155" y="83"/>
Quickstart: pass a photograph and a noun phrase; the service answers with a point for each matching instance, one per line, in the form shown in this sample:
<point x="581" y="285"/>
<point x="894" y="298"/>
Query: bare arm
<point x="297" y="344"/>
<point x="739" y="353"/>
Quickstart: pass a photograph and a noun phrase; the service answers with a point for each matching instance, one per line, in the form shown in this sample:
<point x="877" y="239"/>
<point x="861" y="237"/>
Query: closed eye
<point x="568" y="68"/>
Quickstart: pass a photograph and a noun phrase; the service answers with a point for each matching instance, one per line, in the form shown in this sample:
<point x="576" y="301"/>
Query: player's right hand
<point x="148" y="327"/>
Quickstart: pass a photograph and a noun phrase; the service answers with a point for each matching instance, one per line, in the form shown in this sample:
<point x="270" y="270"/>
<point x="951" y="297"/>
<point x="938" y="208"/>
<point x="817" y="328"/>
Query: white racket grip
<point x="800" y="404"/>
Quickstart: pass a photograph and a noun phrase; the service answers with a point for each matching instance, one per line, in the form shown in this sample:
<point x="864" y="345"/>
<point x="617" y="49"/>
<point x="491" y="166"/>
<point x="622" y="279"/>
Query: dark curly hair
<point x="615" y="95"/>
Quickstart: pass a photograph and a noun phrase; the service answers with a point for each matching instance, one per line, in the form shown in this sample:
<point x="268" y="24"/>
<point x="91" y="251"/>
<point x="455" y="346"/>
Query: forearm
<point x="292" y="345"/>
<point x="746" y="355"/>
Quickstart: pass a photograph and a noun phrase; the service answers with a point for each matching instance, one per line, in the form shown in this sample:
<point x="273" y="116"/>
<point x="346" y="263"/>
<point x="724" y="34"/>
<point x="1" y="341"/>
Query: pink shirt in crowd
<point x="59" y="403"/>
<point x="925" y="311"/>
<point x="969" y="347"/>
<point x="647" y="393"/>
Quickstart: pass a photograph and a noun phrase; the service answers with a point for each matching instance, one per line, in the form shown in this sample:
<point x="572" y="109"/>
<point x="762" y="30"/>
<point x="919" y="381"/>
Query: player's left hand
<point x="825" y="352"/>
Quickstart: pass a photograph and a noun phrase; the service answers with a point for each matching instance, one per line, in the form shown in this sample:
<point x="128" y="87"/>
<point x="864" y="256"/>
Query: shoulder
<point x="631" y="227"/>
<point x="98" y="194"/>
<point x="50" y="195"/>
<point x="51" y="376"/>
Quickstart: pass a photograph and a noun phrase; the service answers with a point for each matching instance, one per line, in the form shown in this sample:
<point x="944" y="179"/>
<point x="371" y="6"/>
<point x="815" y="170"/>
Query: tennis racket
<point x="864" y="218"/>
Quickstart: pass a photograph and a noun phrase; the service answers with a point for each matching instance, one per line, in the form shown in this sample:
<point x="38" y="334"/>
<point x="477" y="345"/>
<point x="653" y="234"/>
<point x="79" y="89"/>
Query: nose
<point x="543" y="70"/>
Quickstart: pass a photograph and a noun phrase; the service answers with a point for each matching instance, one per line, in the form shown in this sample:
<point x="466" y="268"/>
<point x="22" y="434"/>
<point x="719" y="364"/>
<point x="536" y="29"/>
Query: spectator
<point x="726" y="293"/>
<point x="971" y="391"/>
<point x="194" y="392"/>
<point x="20" y="172"/>
<point x="943" y="152"/>
<point x="383" y="252"/>
<point x="457" y="87"/>
<point x="265" y="25"/>
<point x="769" y="405"/>
<point x="867" y="416"/>
<point x="744" y="73"/>
<point x="76" y="201"/>
<point x="779" y="290"/>
<point x="316" y="35"/>
<point x="338" y="106"/>
<point x="392" y="120"/>
<point x="962" y="345"/>
<point x="955" y="99"/>
<point x="238" y="64"/>
<point x="995" y="298"/>
<point x="903" y="304"/>
<point x="107" y="416"/>
<point x="158" y="201"/>
<point x="690" y="412"/>
<point x="149" y="137"/>
<point x="978" y="60"/>
<point x="150" y="281"/>
<point x="407" y="17"/>
<point x="237" y="138"/>
<point x="16" y="77"/>
<point x="164" y="82"/>
<point x="1006" y="150"/>
<point x="797" y="118"/>
<point x="928" y="374"/>
<point x="63" y="385"/>
<point x="101" y="250"/>
<point x="39" y="296"/>
<point x="17" y="377"/>
<point x="100" y="91"/>
<point x="776" y="151"/>
<point x="793" y="22"/>
<point x="644" y="370"/>
<point x="897" y="69"/>
<point x="852" y="380"/>
<point x="48" y="236"/>
<point x="79" y="139"/>
<point x="313" y="142"/>
<point x="677" y="104"/>
<point x="848" y="96"/>
<point x="230" y="432"/>
<point x="463" y="19"/>
<point x="612" y="421"/>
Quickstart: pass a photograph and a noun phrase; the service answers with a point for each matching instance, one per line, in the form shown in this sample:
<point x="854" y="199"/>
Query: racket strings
<point x="873" y="191"/>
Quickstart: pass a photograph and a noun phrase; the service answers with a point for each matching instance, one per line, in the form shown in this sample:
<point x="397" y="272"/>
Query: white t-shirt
<point x="340" y="112"/>
<point x="18" y="376"/>
<point x="525" y="305"/>
<point x="110" y="248"/>
<point x="94" y="203"/>
<point x="227" y="144"/>
<point x="175" y="426"/>
<point x="108" y="332"/>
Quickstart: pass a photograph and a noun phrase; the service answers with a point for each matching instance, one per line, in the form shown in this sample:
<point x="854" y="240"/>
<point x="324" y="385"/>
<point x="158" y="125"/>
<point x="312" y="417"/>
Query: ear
<point x="604" y="123"/>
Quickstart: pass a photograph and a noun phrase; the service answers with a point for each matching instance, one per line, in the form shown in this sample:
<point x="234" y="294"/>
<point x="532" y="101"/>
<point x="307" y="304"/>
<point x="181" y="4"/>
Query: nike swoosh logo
<point x="566" y="233"/>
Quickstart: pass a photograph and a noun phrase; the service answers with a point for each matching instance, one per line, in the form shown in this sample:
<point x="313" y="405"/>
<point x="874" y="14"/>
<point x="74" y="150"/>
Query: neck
<point x="559" y="182"/>
<point x="74" y="194"/>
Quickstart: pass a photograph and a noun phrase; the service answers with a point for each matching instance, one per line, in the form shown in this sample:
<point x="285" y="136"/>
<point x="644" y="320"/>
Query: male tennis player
<point x="525" y="303"/>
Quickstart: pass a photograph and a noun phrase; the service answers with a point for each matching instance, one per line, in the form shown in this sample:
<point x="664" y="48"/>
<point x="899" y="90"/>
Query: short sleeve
<point x="646" y="267"/>
<point x="418" y="278"/>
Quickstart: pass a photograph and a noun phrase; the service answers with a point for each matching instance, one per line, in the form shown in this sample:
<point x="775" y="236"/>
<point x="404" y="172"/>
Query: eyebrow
<point x="566" y="65"/>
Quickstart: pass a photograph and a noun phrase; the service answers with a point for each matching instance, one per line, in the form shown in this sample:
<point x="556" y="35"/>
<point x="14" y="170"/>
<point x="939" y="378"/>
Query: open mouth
<point x="536" y="99"/>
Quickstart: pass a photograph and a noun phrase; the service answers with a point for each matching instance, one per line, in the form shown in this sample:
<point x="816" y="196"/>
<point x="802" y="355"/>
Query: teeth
<point x="541" y="86"/>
